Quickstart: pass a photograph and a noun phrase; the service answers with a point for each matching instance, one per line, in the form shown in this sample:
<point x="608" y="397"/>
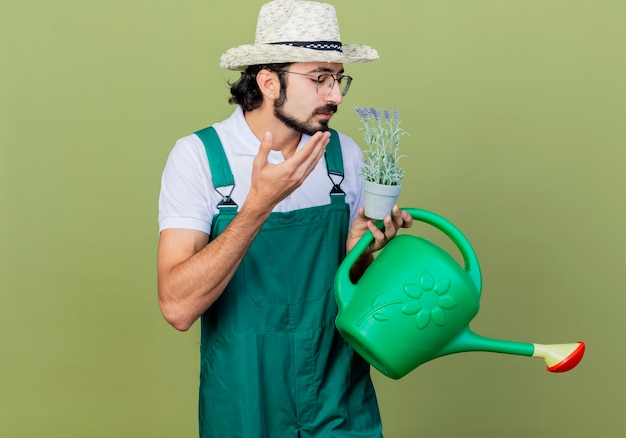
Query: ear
<point x="268" y="83"/>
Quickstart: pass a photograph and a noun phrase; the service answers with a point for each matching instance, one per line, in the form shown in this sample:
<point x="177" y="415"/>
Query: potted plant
<point x="381" y="171"/>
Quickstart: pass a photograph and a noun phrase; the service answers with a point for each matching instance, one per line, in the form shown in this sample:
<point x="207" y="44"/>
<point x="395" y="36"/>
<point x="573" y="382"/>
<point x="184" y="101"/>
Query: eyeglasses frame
<point x="332" y="85"/>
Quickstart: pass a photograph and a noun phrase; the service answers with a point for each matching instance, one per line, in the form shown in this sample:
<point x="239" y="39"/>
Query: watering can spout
<point x="558" y="357"/>
<point x="467" y="340"/>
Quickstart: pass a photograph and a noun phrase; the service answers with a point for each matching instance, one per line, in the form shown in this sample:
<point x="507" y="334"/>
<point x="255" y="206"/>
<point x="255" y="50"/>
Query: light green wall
<point x="516" y="110"/>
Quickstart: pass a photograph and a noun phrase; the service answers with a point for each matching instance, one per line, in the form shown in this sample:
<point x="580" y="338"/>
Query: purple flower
<point x="362" y="112"/>
<point x="375" y="113"/>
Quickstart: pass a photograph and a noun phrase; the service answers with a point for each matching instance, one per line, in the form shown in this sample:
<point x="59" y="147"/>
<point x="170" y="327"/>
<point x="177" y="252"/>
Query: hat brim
<point x="240" y="57"/>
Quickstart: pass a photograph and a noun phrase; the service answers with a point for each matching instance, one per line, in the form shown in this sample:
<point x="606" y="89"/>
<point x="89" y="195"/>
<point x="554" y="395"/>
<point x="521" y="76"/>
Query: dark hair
<point x="245" y="91"/>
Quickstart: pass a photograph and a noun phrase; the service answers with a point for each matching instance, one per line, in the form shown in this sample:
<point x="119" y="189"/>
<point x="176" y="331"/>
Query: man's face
<point x="306" y="106"/>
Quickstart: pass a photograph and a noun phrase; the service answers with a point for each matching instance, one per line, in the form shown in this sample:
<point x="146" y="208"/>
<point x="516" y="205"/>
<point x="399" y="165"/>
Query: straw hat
<point x="296" y="31"/>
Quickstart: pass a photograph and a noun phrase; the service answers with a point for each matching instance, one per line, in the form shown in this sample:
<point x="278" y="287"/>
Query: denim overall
<point x="272" y="362"/>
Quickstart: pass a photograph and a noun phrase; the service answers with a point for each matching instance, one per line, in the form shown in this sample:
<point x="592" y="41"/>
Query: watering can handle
<point x="469" y="256"/>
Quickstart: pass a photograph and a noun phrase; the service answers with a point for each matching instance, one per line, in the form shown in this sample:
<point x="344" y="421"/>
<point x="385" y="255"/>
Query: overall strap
<point x="334" y="164"/>
<point x="223" y="177"/>
<point x="334" y="159"/>
<point x="220" y="169"/>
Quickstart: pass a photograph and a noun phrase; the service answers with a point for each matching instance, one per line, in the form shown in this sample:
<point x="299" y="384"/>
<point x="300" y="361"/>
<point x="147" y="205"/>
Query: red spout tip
<point x="570" y="361"/>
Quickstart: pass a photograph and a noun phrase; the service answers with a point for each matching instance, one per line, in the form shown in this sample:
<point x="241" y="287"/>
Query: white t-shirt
<point x="188" y="199"/>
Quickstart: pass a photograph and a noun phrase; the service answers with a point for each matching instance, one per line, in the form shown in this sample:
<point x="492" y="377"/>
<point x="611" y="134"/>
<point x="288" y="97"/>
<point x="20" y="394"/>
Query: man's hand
<point x="271" y="183"/>
<point x="398" y="219"/>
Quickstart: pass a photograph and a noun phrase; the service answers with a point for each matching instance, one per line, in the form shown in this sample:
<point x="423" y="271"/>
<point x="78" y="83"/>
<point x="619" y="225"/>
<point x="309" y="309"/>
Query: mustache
<point x="327" y="109"/>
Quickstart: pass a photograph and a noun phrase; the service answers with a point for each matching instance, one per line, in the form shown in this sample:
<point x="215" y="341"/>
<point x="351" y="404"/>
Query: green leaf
<point x="380" y="317"/>
<point x="411" y="308"/>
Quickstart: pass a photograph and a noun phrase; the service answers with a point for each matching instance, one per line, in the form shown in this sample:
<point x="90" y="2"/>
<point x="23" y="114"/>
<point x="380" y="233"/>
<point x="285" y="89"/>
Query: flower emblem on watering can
<point x="428" y="300"/>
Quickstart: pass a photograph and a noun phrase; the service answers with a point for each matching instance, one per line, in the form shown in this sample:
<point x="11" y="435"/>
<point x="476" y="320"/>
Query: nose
<point x="335" y="96"/>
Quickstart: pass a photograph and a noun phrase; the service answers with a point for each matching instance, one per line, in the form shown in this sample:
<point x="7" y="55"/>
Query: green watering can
<point x="414" y="303"/>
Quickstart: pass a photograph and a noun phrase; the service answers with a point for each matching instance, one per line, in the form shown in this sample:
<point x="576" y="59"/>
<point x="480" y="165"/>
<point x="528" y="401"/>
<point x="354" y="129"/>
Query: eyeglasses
<point x="325" y="82"/>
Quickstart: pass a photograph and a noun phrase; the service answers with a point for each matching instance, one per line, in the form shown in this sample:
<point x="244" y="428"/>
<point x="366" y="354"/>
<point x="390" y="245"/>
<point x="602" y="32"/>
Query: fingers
<point x="275" y="181"/>
<point x="308" y="156"/>
<point x="312" y="152"/>
<point x="392" y="223"/>
<point x="380" y="236"/>
<point x="302" y="163"/>
<point x="401" y="218"/>
<point x="391" y="227"/>
<point x="266" y="146"/>
<point x="407" y="220"/>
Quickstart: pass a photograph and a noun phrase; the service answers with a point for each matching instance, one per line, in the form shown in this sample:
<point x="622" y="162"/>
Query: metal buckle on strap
<point x="337" y="190"/>
<point x="226" y="201"/>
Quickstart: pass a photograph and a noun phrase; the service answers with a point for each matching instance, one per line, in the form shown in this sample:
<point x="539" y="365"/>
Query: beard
<point x="305" y="127"/>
